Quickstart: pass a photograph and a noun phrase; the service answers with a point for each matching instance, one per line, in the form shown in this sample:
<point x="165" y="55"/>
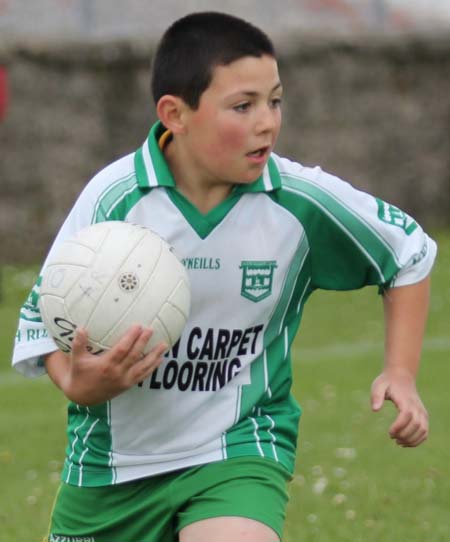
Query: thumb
<point x="79" y="342"/>
<point x="379" y="393"/>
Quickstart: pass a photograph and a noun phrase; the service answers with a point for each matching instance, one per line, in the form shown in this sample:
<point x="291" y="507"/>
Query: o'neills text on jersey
<point x="201" y="263"/>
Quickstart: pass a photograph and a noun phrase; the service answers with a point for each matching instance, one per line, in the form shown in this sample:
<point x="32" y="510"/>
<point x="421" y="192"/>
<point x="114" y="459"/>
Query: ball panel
<point x="159" y="335"/>
<point x="173" y="320"/>
<point x="181" y="296"/>
<point x="70" y="252"/>
<point x="147" y="303"/>
<point x="59" y="279"/>
<point x="93" y="237"/>
<point x="83" y="298"/>
<point x="57" y="321"/>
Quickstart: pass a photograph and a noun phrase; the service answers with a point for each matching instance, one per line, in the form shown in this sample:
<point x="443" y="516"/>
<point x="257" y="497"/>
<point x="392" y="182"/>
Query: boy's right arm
<point x="89" y="380"/>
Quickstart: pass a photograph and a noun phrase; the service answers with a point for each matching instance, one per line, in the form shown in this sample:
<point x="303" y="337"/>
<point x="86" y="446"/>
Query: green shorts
<point x="155" y="509"/>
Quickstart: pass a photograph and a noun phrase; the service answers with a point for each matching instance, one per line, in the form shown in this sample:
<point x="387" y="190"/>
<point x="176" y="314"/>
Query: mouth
<point x="259" y="154"/>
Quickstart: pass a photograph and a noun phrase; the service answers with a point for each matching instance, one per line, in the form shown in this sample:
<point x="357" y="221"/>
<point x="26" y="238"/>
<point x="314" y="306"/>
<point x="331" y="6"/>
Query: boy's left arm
<point x="406" y="311"/>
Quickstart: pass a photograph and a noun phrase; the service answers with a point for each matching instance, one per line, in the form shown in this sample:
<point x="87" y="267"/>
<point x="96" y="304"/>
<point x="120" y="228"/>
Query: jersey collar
<point x="152" y="169"/>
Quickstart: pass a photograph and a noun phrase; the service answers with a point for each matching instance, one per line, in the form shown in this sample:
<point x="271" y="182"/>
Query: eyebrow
<point x="252" y="94"/>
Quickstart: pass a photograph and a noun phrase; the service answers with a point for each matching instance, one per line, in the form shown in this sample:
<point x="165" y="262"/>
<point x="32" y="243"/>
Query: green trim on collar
<point x="152" y="169"/>
<point x="268" y="181"/>
<point x="202" y="224"/>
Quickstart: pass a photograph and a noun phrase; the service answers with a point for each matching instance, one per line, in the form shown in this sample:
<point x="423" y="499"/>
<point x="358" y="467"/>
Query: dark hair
<point x="194" y="45"/>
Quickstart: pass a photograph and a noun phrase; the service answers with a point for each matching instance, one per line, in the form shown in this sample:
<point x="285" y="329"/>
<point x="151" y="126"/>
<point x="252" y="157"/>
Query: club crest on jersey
<point x="257" y="279"/>
<point x="395" y="216"/>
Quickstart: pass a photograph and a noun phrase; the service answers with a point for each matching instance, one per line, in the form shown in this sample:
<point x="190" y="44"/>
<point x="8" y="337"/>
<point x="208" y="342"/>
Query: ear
<point x="171" y="112"/>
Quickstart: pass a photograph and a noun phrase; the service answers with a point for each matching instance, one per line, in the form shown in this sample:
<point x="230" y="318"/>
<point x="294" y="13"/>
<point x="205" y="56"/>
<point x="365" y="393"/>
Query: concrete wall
<point x="373" y="110"/>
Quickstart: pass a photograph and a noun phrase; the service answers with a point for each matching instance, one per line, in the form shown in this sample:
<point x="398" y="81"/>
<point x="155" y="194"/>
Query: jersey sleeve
<point x="99" y="201"/>
<point x="32" y="340"/>
<point x="355" y="238"/>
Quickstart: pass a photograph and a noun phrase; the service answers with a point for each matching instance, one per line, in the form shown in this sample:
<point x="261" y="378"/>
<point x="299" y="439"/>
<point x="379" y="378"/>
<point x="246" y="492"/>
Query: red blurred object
<point x="3" y="91"/>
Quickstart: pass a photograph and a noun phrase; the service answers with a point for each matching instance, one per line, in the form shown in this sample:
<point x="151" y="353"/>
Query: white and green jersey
<point x="253" y="261"/>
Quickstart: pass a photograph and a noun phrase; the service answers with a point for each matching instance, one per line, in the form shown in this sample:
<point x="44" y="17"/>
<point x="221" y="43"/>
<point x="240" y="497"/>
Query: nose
<point x="268" y="119"/>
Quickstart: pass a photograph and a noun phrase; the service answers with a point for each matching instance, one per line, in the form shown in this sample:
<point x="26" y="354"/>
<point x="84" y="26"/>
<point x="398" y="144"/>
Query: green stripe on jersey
<point x="89" y="429"/>
<point x="264" y="368"/>
<point x="375" y="249"/>
<point x="118" y="199"/>
<point x="270" y="431"/>
<point x="90" y="441"/>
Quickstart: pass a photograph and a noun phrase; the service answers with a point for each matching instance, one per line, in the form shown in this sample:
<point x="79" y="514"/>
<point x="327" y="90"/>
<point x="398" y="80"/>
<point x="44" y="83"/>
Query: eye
<point x="275" y="102"/>
<point x="242" y="107"/>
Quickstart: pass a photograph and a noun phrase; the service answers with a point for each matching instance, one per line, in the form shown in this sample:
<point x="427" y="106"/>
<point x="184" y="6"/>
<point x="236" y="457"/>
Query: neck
<point x="203" y="192"/>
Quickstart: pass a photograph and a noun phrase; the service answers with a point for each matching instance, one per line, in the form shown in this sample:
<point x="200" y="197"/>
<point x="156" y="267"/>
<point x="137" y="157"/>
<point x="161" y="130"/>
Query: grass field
<point x="352" y="483"/>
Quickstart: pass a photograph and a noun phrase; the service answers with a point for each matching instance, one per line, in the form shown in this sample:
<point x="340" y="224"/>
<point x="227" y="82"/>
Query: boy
<point x="158" y="458"/>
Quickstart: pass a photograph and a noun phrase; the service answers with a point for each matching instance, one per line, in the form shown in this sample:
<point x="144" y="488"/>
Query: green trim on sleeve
<point x="118" y="199"/>
<point x="30" y="309"/>
<point x="335" y="231"/>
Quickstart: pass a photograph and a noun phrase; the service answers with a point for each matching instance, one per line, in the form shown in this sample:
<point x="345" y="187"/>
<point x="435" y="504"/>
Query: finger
<point x="419" y="438"/>
<point x="120" y="351"/>
<point x="414" y="441"/>
<point x="378" y="394"/>
<point x="137" y="351"/>
<point x="400" y="423"/>
<point x="79" y="342"/>
<point x="147" y="365"/>
<point x="155" y="353"/>
<point x="416" y="432"/>
<point x="410" y="431"/>
<point x="409" y="419"/>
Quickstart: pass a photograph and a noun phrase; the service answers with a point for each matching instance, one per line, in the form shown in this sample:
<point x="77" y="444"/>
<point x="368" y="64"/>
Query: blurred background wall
<point x="367" y="97"/>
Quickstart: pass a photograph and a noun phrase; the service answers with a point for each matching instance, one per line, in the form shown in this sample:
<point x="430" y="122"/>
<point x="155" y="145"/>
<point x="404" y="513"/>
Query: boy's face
<point x="231" y="134"/>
